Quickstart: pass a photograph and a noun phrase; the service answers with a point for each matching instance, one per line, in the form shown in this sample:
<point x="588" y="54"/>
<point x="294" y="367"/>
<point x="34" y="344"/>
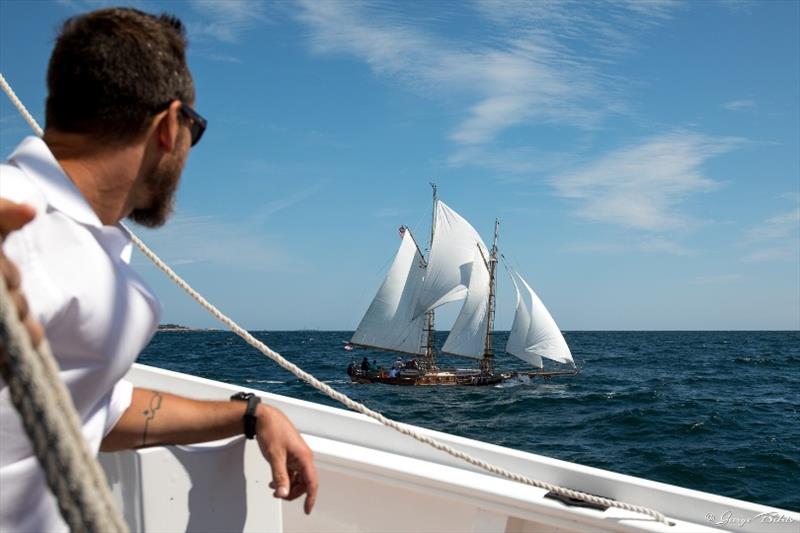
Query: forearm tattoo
<point x="150" y="414"/>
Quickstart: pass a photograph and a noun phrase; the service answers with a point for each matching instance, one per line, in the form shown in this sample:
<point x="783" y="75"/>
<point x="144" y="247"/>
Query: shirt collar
<point x="34" y="157"/>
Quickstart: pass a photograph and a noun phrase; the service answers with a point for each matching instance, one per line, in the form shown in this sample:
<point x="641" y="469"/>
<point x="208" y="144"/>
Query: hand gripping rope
<point x="342" y="398"/>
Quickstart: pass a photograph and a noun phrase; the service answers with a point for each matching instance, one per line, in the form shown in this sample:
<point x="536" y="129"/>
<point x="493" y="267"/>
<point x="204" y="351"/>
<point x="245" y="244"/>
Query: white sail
<point x="534" y="334"/>
<point x="468" y="336"/>
<point x="389" y="322"/>
<point x="450" y="262"/>
<point x="519" y="330"/>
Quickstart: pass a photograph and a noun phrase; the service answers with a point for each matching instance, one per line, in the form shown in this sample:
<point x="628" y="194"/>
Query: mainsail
<point x="450" y="261"/>
<point x="389" y="322"/>
<point x="468" y="335"/>
<point x="534" y="334"/>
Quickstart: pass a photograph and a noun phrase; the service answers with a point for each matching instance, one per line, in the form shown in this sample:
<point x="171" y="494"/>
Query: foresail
<point x="534" y="334"/>
<point x="450" y="262"/>
<point x="468" y="336"/>
<point x="389" y="322"/>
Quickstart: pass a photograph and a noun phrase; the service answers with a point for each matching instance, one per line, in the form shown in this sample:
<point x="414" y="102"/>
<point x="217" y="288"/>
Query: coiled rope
<point x="342" y="398"/>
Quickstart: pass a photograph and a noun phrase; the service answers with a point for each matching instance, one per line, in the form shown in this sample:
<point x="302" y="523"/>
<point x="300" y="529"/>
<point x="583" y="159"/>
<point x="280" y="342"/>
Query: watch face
<point x="243" y="396"/>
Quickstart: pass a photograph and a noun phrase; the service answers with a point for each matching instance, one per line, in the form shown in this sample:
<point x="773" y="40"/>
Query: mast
<point x="429" y="360"/>
<point x="488" y="351"/>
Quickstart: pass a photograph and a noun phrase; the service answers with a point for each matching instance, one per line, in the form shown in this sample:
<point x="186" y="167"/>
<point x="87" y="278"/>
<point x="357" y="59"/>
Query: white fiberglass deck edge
<point x="351" y="445"/>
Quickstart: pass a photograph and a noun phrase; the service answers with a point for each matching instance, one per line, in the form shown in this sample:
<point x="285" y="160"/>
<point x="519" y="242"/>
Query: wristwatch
<point x="249" y="417"/>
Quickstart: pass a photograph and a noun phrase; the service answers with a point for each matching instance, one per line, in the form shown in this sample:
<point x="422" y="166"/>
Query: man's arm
<point x="158" y="418"/>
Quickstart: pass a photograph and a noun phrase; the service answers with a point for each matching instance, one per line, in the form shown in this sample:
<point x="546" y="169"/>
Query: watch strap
<point x="249" y="418"/>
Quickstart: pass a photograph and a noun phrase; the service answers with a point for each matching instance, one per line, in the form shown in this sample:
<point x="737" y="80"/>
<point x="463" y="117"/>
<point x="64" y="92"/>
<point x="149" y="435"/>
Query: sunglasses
<point x="197" y="124"/>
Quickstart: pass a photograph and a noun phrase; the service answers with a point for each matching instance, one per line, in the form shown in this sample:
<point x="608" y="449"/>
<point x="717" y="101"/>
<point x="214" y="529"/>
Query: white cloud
<point x="226" y="20"/>
<point x="775" y="239"/>
<point x="785" y="252"/>
<point x="641" y="186"/>
<point x="519" y="65"/>
<point x="222" y="58"/>
<point x="222" y="20"/>
<point x="90" y="5"/>
<point x="509" y="163"/>
<point x="661" y="245"/>
<point x="188" y="238"/>
<point x="739" y="105"/>
<point x="647" y="245"/>
<point x="609" y="28"/>
<point x="782" y="225"/>
<point x="280" y="204"/>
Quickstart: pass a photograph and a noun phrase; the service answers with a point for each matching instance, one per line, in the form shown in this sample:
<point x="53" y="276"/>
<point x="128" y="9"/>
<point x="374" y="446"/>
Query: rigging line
<point x="345" y="400"/>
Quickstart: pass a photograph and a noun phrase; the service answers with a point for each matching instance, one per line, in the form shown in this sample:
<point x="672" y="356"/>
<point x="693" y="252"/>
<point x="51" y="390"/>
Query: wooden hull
<point x="466" y="378"/>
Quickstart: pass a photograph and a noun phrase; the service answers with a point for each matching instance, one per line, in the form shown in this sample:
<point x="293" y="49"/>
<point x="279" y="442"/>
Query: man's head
<point x="118" y="77"/>
<point x="112" y="70"/>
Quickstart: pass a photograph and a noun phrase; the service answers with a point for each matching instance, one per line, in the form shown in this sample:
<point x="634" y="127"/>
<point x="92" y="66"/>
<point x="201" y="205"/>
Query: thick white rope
<point x="342" y="398"/>
<point x="52" y="425"/>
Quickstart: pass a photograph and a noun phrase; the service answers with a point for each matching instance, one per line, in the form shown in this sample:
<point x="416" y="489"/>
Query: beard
<point x="161" y="186"/>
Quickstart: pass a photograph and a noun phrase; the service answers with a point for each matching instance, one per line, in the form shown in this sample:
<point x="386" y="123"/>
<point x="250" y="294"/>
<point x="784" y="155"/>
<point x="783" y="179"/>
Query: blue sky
<point x="643" y="157"/>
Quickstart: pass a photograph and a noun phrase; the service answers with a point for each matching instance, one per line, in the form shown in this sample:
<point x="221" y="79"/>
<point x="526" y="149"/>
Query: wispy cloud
<point x="280" y="204"/>
<point x="185" y="240"/>
<point x="646" y="245"/>
<point x="642" y="186"/>
<point x="744" y="7"/>
<point x="226" y="20"/>
<point x="88" y="5"/>
<point x="662" y="245"/>
<point x="510" y="163"/>
<point x="717" y="279"/>
<point x="739" y="105"/>
<point x="221" y="20"/>
<point x="519" y="65"/>
<point x="775" y="239"/>
<point x="780" y="226"/>
<point x="222" y="58"/>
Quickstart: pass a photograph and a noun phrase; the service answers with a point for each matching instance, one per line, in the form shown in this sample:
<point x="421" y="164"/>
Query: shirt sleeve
<point x="118" y="402"/>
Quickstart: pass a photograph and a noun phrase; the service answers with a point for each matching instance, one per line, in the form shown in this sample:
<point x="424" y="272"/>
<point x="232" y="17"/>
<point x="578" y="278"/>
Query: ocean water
<point x="712" y="411"/>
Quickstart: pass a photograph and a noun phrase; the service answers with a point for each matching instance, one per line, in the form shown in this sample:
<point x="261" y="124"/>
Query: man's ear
<point x="167" y="126"/>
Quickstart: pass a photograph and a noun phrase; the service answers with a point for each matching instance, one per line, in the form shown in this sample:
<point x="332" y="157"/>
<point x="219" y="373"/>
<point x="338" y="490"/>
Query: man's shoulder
<point x="18" y="187"/>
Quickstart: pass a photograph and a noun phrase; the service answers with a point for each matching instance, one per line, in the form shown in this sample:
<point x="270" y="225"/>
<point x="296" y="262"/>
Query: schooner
<point x="459" y="267"/>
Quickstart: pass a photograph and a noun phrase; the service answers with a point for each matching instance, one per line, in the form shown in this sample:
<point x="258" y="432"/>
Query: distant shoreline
<point x="178" y="327"/>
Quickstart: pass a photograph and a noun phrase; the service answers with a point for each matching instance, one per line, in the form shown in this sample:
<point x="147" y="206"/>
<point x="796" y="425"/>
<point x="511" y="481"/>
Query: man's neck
<point x="104" y="176"/>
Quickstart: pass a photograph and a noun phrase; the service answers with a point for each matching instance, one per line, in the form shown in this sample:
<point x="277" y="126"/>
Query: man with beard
<point x="119" y="126"/>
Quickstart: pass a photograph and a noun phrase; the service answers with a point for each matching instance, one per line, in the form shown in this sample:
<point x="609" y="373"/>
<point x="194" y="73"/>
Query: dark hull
<point x="466" y="378"/>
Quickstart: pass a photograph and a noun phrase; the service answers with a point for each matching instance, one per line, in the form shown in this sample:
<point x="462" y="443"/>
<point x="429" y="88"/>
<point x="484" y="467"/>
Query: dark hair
<point x="111" y="70"/>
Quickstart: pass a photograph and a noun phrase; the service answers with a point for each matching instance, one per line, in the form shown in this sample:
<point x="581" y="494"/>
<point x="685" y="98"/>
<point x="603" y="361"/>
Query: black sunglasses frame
<point x="197" y="125"/>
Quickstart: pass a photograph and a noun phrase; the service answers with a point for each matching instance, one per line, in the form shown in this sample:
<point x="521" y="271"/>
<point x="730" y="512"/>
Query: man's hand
<point x="291" y="460"/>
<point x="12" y="217"/>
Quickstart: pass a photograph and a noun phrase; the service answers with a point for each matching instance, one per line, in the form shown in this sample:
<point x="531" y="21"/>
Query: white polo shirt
<point x="97" y="313"/>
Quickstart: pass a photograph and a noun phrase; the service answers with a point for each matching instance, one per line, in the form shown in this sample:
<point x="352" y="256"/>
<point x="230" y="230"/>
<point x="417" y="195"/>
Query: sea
<point x="716" y="411"/>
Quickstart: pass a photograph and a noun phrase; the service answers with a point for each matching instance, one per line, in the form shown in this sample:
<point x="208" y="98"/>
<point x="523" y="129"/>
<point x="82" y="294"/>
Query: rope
<point x="51" y="423"/>
<point x="20" y="106"/>
<point x="355" y="406"/>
